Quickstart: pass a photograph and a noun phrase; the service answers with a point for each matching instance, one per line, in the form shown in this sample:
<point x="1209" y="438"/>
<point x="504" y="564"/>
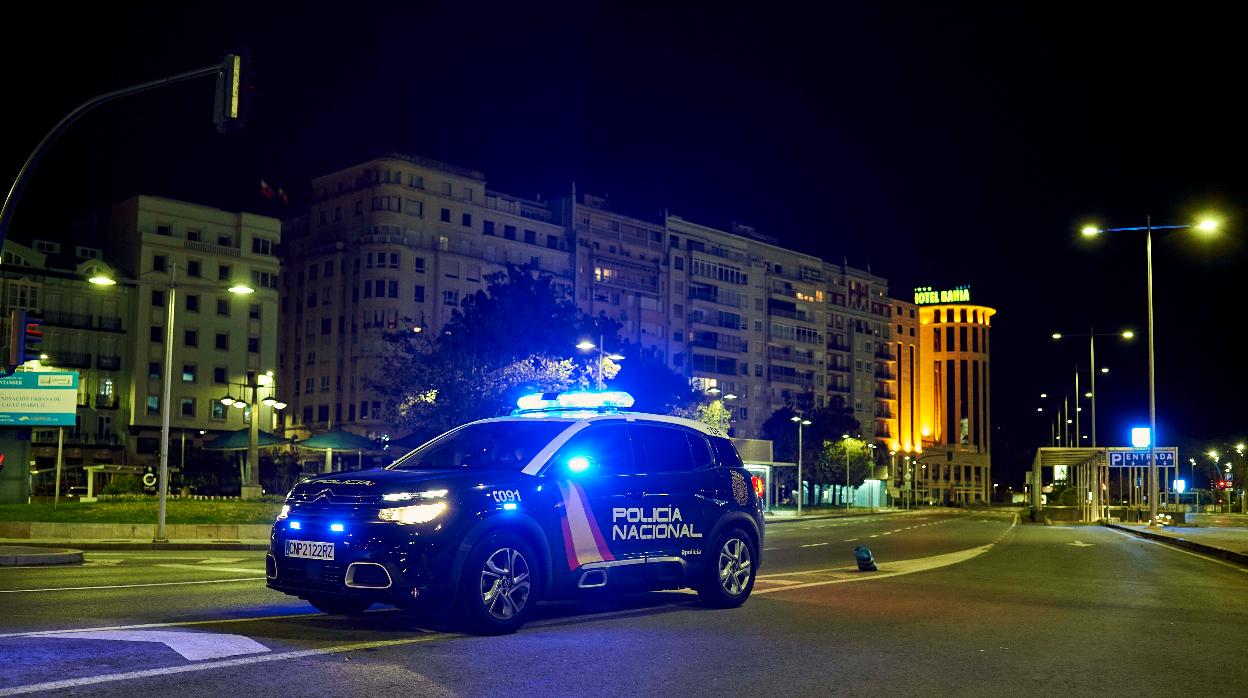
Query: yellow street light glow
<point x="1128" y="334"/>
<point x="1057" y="335"/>
<point x="241" y="289"/>
<point x="1105" y="370"/>
<point x="1207" y="226"/>
<point x="585" y="345"/>
<point x="102" y="281"/>
<point x="1043" y="395"/>
<point x="1090" y="230"/>
<point x="1212" y="454"/>
<point x="1088" y="394"/>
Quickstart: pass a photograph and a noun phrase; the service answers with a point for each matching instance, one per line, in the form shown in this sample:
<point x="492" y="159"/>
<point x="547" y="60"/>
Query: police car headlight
<point x="415" y="514"/>
<point x="284" y="512"/>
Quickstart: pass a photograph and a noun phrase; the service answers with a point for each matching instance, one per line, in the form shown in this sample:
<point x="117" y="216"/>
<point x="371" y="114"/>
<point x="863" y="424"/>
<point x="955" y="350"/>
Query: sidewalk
<point x="137" y="544"/>
<point x="1227" y="543"/>
<point x="789" y="516"/>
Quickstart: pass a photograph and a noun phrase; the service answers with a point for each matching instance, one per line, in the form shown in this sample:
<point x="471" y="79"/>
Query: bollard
<point x="866" y="561"/>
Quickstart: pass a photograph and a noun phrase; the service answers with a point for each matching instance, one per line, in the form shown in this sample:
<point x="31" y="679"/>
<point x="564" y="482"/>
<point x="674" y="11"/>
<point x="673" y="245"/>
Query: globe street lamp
<point x="800" y="490"/>
<point x="586" y="345"/>
<point x="1206" y="226"/>
<point x="1091" y="336"/>
<point x="171" y="305"/>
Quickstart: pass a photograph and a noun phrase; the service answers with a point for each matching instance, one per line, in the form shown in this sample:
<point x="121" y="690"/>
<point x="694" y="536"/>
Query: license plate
<point x="310" y="550"/>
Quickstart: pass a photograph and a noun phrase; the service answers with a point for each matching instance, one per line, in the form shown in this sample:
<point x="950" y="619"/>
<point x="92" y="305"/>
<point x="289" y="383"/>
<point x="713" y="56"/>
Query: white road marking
<point x="221" y="560"/>
<point x="133" y="586"/>
<point x="891" y="570"/>
<point x="194" y="646"/>
<point x="175" y="624"/>
<point x="1081" y="544"/>
<point x="244" y="570"/>
<point x="813" y="545"/>
<point x="850" y="540"/>
<point x="221" y="664"/>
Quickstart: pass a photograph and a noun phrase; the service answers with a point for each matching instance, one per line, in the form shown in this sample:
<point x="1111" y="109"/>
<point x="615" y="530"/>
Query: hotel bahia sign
<point x="926" y="295"/>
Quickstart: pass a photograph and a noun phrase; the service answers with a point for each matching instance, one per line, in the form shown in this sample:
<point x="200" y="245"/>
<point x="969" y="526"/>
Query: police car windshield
<point x="506" y="445"/>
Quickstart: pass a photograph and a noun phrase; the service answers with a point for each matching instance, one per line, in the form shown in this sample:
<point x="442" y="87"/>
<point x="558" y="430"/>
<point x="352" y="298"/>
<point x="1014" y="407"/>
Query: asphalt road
<point x="967" y="604"/>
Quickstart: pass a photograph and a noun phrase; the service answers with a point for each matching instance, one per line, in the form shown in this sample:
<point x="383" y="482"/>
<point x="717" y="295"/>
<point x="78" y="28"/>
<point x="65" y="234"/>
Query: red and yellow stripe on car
<point x="581" y="535"/>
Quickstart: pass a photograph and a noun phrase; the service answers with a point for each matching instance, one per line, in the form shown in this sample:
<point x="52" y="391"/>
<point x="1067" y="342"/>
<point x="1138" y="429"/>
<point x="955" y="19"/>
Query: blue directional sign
<point x="1138" y="457"/>
<point x="39" y="399"/>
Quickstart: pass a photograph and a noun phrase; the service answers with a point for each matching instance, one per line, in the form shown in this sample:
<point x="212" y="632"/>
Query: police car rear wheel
<point x="499" y="584"/>
<point x="732" y="574"/>
<point x="340" y="606"/>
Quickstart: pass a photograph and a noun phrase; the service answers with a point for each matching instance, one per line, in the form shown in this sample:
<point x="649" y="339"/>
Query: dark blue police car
<point x="567" y="496"/>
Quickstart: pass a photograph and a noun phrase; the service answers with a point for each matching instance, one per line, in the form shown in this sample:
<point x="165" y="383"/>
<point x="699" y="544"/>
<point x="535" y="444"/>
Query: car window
<point x="726" y="453"/>
<point x="605" y="448"/>
<point x="700" y="449"/>
<point x="508" y="445"/>
<point x="661" y="448"/>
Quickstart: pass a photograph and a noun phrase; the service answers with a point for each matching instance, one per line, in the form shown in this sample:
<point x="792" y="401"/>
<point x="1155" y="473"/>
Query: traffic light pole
<point x="15" y="191"/>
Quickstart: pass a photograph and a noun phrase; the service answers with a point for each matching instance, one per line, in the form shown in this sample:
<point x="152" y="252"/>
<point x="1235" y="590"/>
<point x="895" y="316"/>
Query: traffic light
<point x="234" y="91"/>
<point x="1221" y="484"/>
<point x="25" y="338"/>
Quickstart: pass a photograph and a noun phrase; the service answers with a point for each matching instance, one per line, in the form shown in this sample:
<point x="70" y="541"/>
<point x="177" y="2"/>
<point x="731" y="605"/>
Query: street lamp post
<point x="800" y="491"/>
<point x="845" y="444"/>
<point x="171" y="305"/>
<point x="586" y="345"/>
<point x="251" y="482"/>
<point x="1091" y="336"/>
<point x="1207" y="226"/>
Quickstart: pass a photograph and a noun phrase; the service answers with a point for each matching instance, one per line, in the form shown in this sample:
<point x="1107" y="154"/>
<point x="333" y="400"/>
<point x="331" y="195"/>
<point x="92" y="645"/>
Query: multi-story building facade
<point x="395" y="242"/>
<point x="85" y="332"/>
<point x="945" y="423"/>
<point x="114" y="336"/>
<point x="400" y="241"/>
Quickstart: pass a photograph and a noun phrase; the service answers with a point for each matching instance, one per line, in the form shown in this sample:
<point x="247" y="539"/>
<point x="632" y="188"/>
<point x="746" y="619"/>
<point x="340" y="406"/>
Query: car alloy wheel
<point x="734" y="566"/>
<point x="505" y="583"/>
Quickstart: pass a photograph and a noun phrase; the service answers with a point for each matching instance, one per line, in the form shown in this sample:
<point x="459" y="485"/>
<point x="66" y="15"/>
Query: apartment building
<point x="395" y="242"/>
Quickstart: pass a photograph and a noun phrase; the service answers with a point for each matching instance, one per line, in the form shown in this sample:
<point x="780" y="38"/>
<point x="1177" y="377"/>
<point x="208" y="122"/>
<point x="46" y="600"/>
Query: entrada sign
<point x="926" y="295"/>
<point x="1138" y="457"/>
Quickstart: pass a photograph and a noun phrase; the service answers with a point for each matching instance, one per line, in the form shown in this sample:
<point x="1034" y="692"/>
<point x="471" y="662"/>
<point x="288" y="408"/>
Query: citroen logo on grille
<point x="323" y="494"/>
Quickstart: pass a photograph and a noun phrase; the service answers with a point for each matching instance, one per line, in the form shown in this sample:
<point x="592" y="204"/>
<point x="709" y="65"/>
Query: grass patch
<point x="143" y="510"/>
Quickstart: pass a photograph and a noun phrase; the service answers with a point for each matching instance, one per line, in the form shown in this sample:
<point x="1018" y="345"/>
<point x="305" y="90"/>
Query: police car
<point x="570" y="495"/>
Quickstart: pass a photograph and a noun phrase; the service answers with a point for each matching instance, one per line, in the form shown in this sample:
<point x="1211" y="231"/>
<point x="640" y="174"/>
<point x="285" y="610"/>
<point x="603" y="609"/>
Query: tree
<point x="826" y="425"/>
<point x="714" y="414"/>
<point x="513" y="338"/>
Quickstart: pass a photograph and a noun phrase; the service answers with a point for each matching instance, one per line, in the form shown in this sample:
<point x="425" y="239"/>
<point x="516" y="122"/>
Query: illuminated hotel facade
<point x="944" y="422"/>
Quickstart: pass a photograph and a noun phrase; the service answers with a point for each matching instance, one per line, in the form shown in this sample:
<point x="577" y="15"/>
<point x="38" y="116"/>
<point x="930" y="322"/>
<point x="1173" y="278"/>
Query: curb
<point x="1229" y="555"/>
<point x="29" y="556"/>
<point x="819" y="517"/>
<point x="141" y="545"/>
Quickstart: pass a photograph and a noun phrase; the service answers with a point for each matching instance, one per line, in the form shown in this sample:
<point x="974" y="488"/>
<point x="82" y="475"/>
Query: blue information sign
<point x="1138" y="457"/>
<point x="39" y="399"/>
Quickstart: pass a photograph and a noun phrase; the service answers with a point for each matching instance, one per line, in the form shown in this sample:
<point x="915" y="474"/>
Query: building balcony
<point x="885" y="374"/>
<point x="838" y="389"/>
<point x="885" y="394"/>
<point x="58" y="318"/>
<point x="774" y="354"/>
<point x="842" y="368"/>
<point x="720" y="344"/>
<point x="70" y="359"/>
<point x="105" y="402"/>
<point x="108" y="363"/>
<point x="47" y="437"/>
<point x="885" y="354"/>
<point x="111" y="324"/>
<point x="790" y="314"/>
<point x="804" y="382"/>
<point x="209" y="248"/>
<point x="837" y="346"/>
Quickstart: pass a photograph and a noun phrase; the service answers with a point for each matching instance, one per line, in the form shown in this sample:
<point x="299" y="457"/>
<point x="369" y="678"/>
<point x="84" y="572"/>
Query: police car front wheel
<point x="730" y="578"/>
<point x="499" y="584"/>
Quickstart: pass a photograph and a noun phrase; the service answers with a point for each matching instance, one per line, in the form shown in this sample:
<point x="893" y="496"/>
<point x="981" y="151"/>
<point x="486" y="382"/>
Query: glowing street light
<point x="1208" y="225"/>
<point x="801" y="493"/>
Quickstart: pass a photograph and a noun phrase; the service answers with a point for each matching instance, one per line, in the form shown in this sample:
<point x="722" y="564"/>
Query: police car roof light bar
<point x="578" y="400"/>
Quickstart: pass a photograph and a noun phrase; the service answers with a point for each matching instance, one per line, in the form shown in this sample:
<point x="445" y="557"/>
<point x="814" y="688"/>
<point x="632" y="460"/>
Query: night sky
<point x="939" y="146"/>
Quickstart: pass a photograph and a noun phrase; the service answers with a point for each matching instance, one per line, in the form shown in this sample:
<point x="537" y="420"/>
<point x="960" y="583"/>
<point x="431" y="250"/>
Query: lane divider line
<point x="132" y="586"/>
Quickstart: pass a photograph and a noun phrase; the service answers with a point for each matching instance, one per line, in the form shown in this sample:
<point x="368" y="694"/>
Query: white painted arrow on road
<point x="192" y="646"/>
<point x="1081" y="544"/>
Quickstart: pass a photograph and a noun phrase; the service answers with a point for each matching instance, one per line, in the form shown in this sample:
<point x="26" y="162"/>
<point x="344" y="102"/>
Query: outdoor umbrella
<point x="237" y="441"/>
<point x="338" y="440"/>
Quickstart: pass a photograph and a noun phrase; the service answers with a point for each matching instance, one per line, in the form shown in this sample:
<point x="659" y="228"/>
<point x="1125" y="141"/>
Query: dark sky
<point x="938" y="145"/>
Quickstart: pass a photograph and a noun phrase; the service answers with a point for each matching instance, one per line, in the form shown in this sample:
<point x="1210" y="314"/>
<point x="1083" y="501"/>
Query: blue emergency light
<point x="295" y="525"/>
<point x="337" y="528"/>
<point x="581" y="399"/>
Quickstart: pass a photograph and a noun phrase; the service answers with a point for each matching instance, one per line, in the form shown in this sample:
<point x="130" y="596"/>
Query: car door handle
<point x="704" y="495"/>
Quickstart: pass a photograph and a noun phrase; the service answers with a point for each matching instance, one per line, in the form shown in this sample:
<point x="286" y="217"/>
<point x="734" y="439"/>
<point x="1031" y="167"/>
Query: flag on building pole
<point x="265" y="190"/>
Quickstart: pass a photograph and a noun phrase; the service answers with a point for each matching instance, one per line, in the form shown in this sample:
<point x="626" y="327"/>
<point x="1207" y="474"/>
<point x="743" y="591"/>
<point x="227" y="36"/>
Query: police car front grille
<point x="313" y="572"/>
<point x="334" y="498"/>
